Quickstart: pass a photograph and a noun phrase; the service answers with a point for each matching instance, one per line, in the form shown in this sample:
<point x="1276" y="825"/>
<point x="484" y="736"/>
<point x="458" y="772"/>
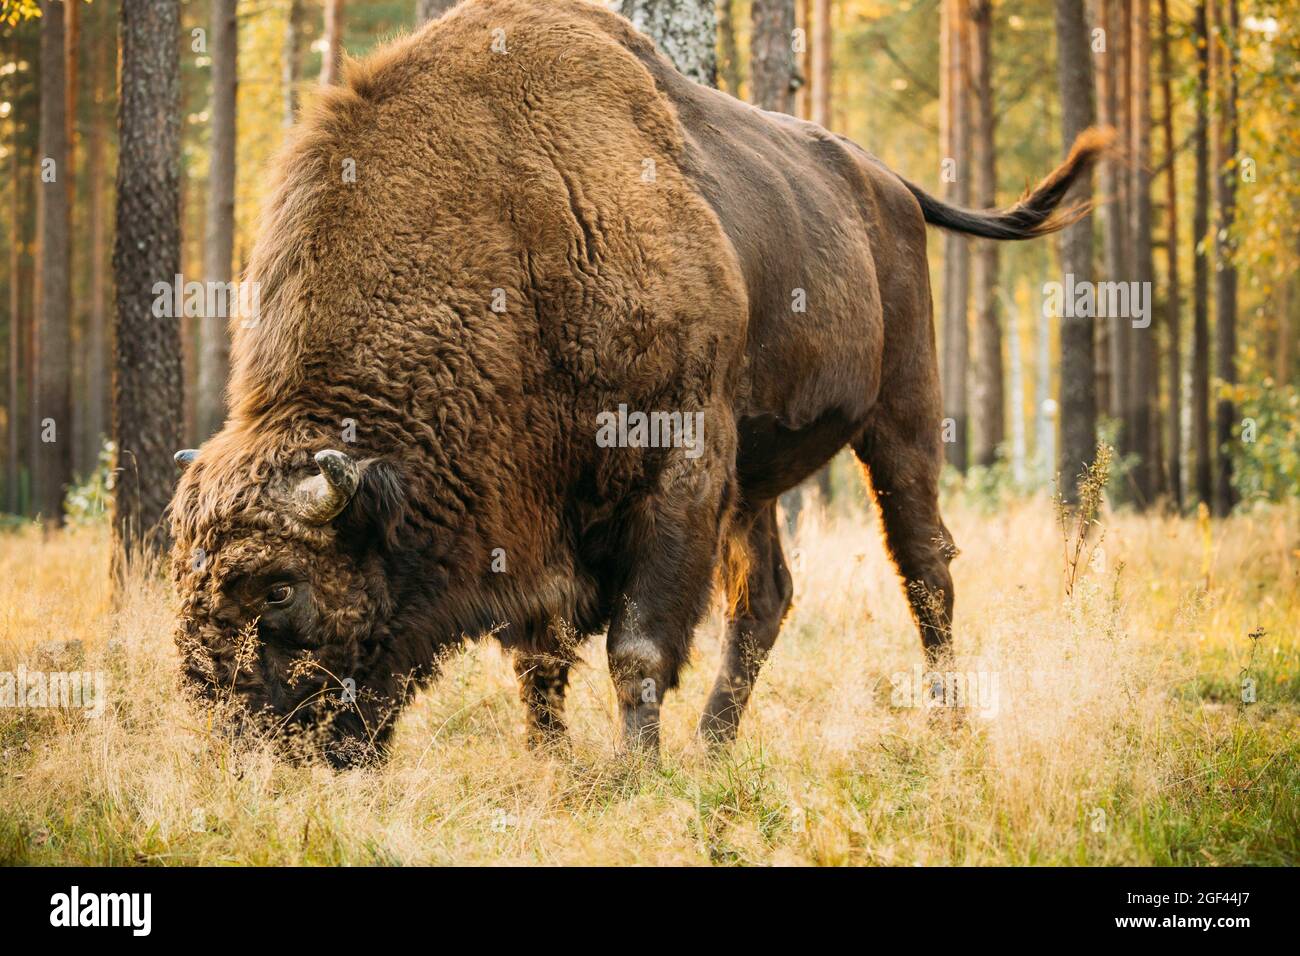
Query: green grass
<point x="1120" y="737"/>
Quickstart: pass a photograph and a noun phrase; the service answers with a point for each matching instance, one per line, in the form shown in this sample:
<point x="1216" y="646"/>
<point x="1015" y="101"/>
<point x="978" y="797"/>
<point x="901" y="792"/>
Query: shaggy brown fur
<point x="651" y="241"/>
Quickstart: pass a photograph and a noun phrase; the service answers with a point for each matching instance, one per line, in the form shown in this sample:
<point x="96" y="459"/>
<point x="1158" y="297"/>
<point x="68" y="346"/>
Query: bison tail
<point x="1036" y="214"/>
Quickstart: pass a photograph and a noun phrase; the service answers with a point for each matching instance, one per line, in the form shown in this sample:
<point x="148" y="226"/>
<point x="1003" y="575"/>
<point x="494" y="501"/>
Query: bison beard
<point x="493" y="232"/>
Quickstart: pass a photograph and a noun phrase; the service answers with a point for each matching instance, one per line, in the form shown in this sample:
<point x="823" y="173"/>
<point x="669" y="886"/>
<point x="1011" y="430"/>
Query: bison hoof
<point x="717" y="731"/>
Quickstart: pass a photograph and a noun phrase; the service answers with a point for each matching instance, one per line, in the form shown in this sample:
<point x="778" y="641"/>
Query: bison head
<point x="285" y="600"/>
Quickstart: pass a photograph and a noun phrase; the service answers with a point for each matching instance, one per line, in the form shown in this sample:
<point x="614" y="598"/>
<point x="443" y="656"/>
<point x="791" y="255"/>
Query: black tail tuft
<point x="1036" y="214"/>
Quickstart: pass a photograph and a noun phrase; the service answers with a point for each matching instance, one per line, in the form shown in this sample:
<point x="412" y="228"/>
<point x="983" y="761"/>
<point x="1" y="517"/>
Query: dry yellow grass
<point x="1119" y="735"/>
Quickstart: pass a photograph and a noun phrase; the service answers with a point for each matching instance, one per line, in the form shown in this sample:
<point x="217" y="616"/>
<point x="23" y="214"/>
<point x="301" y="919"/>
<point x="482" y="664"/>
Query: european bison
<point x="576" y="322"/>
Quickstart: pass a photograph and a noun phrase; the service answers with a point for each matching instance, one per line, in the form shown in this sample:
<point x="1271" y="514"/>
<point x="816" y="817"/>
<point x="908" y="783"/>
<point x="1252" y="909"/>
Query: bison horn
<point x="320" y="498"/>
<point x="185" y="457"/>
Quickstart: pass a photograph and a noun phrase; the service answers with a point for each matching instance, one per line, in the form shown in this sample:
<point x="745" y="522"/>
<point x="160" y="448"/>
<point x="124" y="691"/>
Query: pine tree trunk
<point x="71" y="39"/>
<point x="803" y="97"/>
<point x="291" y="61"/>
<point x="27" y="46"/>
<point x="1173" y="295"/>
<point x="771" y="55"/>
<point x="76" y="328"/>
<point x="1095" y="16"/>
<point x="1225" y="278"/>
<point x="955" y="136"/>
<point x="1144" y="374"/>
<point x="1204" y="483"/>
<point x="685" y="31"/>
<point x="54" y="347"/>
<point x="1284" y="329"/>
<point x="96" y="357"/>
<point x="987" y="395"/>
<point x="1123" y="338"/>
<point x="219" y="222"/>
<point x="729" y="66"/>
<point x="13" y="400"/>
<point x="1078" y="402"/>
<point x="333" y="55"/>
<point x="821" y="63"/>
<point x="1045" y="408"/>
<point x="1111" y="212"/>
<point x="1016" y="387"/>
<point x="147" y="355"/>
<point x="193" y="223"/>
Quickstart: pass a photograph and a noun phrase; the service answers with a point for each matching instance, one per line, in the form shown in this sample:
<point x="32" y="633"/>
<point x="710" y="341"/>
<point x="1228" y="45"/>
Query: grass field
<point x="1118" y="733"/>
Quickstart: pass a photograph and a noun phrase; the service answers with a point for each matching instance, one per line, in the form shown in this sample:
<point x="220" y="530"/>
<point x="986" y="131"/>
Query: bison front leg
<point x="673" y="553"/>
<point x="643" y="664"/>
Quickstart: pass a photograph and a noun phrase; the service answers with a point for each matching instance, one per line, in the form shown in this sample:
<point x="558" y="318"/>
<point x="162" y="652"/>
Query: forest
<point x="1197" y="205"/>
<point x="1121" y="433"/>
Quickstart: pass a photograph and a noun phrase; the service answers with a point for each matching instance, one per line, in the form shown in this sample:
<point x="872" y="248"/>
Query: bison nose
<point x="277" y="695"/>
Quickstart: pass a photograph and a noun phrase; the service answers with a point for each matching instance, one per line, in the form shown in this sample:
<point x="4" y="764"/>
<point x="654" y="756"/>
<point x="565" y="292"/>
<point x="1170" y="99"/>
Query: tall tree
<point x="1016" y="388"/>
<point x="219" y="231"/>
<point x="954" y="133"/>
<point x="1109" y="62"/>
<point x="987" y="392"/>
<point x="1123" y="341"/>
<point x="96" y="341"/>
<point x="1225" y="278"/>
<point x="25" y="114"/>
<point x="821" y="62"/>
<point x="13" y="399"/>
<point x="291" y="60"/>
<point x="1173" y="293"/>
<point x="803" y="96"/>
<point x="1095" y="14"/>
<point x="1144" y="373"/>
<point x="685" y="31"/>
<point x="71" y="39"/>
<point x="147" y="351"/>
<point x="1204" y="482"/>
<point x="729" y="53"/>
<point x="76" y="319"/>
<point x="771" y="55"/>
<point x="54" y="354"/>
<point x="1282" y="370"/>
<point x="331" y="59"/>
<point x="1078" y="403"/>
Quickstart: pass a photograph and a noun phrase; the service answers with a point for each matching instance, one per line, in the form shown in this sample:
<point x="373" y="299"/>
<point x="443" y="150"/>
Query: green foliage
<point x="984" y="488"/>
<point x="1077" y="519"/>
<point x="1121" y="466"/>
<point x="11" y="11"/>
<point x="989" y="488"/>
<point x="1266" y="468"/>
<point x="87" y="502"/>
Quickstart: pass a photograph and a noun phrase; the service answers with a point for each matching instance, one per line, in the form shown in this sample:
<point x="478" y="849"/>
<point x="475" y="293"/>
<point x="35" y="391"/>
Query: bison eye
<point x="279" y="594"/>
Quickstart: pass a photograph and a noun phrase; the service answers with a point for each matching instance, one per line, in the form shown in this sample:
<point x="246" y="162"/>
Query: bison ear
<point x="379" y="507"/>
<point x="185" y="457"/>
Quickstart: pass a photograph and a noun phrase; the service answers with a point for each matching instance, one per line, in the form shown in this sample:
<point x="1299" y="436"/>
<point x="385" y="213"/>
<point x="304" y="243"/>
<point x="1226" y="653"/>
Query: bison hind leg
<point x="759" y="593"/>
<point x="903" y="462"/>
<point x="543" y="680"/>
<point x="542" y="660"/>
